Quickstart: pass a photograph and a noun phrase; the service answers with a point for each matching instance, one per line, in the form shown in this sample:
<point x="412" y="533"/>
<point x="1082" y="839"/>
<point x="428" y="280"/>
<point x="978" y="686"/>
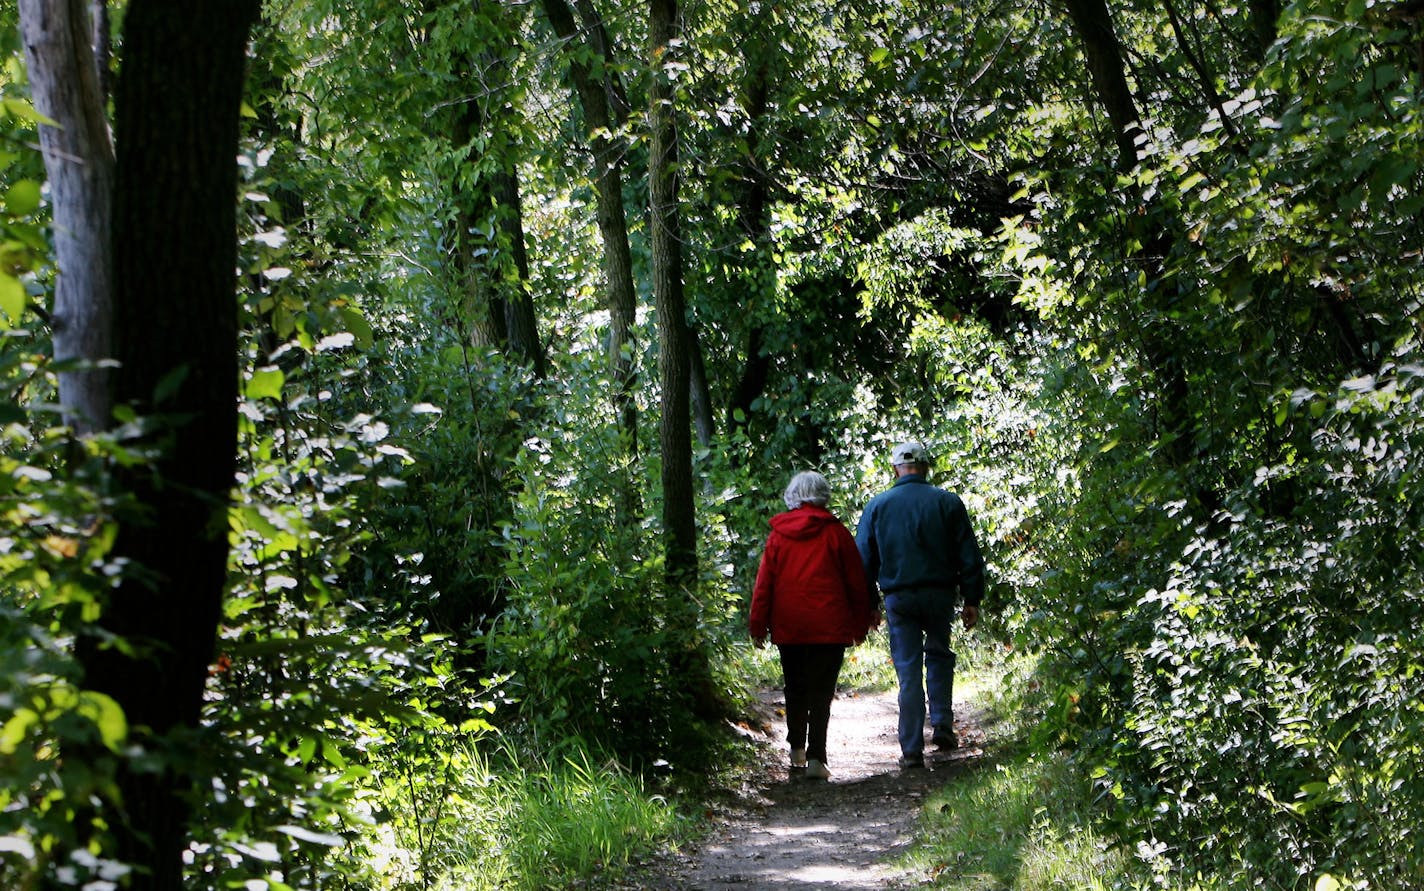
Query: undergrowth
<point x="1023" y="820"/>
<point x="523" y="821"/>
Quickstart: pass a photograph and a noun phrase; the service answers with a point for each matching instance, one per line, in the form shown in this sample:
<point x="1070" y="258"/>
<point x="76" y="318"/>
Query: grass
<point x="528" y="823"/>
<point x="1022" y="825"/>
<point x="1023" y="820"/>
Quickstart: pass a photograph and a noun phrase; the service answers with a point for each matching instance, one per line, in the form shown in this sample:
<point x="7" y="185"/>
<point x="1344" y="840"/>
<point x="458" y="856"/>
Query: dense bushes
<point x="1230" y="637"/>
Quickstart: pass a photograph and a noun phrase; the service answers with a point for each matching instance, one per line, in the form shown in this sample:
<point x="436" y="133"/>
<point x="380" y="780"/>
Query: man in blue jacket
<point x="918" y="547"/>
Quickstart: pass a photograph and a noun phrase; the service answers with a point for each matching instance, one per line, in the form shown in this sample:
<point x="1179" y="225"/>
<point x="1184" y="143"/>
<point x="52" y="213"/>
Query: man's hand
<point x="971" y="616"/>
<point x="758" y="642"/>
<point x="875" y="619"/>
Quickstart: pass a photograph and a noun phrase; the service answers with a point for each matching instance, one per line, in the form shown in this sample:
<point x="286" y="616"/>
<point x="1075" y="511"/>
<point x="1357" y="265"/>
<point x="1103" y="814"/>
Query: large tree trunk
<point x="174" y="252"/>
<point x="604" y="110"/>
<point x="674" y="366"/>
<point x="79" y="162"/>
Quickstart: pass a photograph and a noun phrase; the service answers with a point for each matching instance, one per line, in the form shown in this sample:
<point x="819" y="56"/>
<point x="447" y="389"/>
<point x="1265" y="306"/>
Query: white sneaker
<point x="815" y="770"/>
<point x="798" y="758"/>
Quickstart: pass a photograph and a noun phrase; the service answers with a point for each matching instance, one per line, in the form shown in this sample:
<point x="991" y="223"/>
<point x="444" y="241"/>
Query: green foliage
<point x="1025" y="824"/>
<point x="585" y="632"/>
<point x="1225" y="636"/>
<point x="549" y="822"/>
<point x="1181" y="403"/>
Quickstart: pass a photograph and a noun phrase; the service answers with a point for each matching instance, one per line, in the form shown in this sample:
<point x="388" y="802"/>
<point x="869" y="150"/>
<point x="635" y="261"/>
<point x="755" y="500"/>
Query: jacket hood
<point x="806" y="521"/>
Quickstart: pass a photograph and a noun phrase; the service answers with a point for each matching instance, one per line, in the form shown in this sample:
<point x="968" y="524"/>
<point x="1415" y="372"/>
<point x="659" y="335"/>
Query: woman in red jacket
<point x="811" y="596"/>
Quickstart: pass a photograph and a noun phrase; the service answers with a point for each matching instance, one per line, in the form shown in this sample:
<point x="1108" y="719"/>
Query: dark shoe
<point x="944" y="738"/>
<point x="910" y="762"/>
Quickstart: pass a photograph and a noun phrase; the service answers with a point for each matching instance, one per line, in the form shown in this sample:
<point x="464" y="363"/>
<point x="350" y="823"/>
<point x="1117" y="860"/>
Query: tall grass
<point x="519" y="821"/>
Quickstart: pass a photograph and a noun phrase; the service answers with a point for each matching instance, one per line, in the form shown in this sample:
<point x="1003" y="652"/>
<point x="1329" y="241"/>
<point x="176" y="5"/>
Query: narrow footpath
<point x="840" y="834"/>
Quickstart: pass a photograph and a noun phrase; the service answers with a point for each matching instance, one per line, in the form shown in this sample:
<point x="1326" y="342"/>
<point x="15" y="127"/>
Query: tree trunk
<point x="699" y="391"/>
<point x="604" y="109"/>
<point x="1264" y="16"/>
<point x="521" y="329"/>
<point x="754" y="218"/>
<point x="674" y="366"/>
<point x="175" y="313"/>
<point x="1093" y="24"/>
<point x="79" y="161"/>
<point x="490" y="253"/>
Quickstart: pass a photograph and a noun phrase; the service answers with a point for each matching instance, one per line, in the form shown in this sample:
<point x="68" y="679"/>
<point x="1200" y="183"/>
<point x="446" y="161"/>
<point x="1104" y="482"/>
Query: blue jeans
<point x="918" y="624"/>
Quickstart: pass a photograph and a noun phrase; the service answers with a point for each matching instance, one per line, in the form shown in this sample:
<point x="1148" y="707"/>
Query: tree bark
<point x="79" y="162"/>
<point x="604" y="109"/>
<point x="174" y="253"/>
<point x="699" y="391"/>
<point x="490" y="250"/>
<point x="674" y="366"/>
<point x="754" y="218"/>
<point x="1093" y="24"/>
<point x="1264" y="16"/>
<point x="521" y="328"/>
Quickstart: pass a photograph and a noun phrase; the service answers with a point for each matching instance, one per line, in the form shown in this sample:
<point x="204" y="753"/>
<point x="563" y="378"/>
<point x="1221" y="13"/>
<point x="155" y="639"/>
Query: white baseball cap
<point x="909" y="453"/>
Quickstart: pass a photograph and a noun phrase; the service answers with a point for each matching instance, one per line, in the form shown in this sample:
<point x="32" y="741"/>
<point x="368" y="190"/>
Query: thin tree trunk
<point x="79" y="161"/>
<point x="755" y="220"/>
<point x="604" y="109"/>
<point x="1093" y="24"/>
<point x="521" y="329"/>
<point x="1264" y="16"/>
<point x="700" y="392"/>
<point x="476" y="237"/>
<point x="174" y="252"/>
<point x="674" y="366"/>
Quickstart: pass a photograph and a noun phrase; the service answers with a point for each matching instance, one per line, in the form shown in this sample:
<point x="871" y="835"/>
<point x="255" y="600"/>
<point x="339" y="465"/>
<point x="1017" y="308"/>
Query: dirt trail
<point x="808" y="834"/>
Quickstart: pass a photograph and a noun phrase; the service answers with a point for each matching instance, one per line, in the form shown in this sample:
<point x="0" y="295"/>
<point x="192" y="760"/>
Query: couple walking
<point x="815" y="595"/>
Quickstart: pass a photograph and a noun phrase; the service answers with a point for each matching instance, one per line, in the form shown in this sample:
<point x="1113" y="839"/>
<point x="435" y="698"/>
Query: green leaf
<point x="107" y="716"/>
<point x="316" y="838"/>
<point x="25" y="111"/>
<point x="169" y="385"/>
<point x="358" y="327"/>
<point x="14" y="730"/>
<point x="12" y="297"/>
<point x="23" y="198"/>
<point x="266" y="383"/>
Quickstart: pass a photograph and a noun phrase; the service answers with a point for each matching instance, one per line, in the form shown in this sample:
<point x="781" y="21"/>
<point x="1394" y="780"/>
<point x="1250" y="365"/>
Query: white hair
<point x="807" y="487"/>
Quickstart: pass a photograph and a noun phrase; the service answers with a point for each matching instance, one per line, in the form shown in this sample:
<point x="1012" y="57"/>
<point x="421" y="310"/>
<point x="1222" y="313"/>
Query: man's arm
<point x="869" y="560"/>
<point x="971" y="564"/>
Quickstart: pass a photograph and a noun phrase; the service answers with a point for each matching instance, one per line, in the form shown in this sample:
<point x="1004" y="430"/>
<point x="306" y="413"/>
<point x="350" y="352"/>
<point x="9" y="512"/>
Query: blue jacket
<point x="915" y="536"/>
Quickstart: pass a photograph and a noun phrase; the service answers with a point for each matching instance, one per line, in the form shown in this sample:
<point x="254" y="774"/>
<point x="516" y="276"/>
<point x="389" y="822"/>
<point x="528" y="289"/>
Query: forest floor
<point x="846" y="833"/>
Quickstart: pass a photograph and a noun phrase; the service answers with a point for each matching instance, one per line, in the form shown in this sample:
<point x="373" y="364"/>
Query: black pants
<point x="810" y="672"/>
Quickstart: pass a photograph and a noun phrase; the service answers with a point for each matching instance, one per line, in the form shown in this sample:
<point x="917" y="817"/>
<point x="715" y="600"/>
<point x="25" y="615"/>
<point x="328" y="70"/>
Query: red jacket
<point x="811" y="587"/>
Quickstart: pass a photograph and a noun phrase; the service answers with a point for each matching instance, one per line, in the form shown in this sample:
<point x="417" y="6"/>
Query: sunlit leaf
<point x="12" y="297"/>
<point x="266" y="383"/>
